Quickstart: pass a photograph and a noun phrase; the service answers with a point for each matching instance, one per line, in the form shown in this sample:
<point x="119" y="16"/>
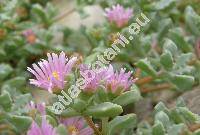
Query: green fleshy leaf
<point x="163" y="118"/>
<point x="176" y="117"/>
<point x="176" y="129"/>
<point x="163" y="4"/>
<point x="158" y="129"/>
<point x="5" y="71"/>
<point x="36" y="49"/>
<point x="101" y="96"/>
<point x="21" y="123"/>
<point x="161" y="107"/>
<point x="61" y="130"/>
<point x="69" y="112"/>
<point x="79" y="105"/>
<point x="180" y="102"/>
<point x="160" y="5"/>
<point x="175" y="35"/>
<point x="5" y="101"/>
<point x="165" y="24"/>
<point x="145" y="65"/>
<point x="128" y="97"/>
<point x="144" y="128"/>
<point x="122" y="122"/>
<point x="188" y="115"/>
<point x="105" y="109"/>
<point x="166" y="60"/>
<point x="16" y="82"/>
<point x="50" y="119"/>
<point x="183" y="59"/>
<point x="91" y="58"/>
<point x="170" y="46"/>
<point x="20" y="102"/>
<point x="38" y="11"/>
<point x="192" y="20"/>
<point x="183" y="82"/>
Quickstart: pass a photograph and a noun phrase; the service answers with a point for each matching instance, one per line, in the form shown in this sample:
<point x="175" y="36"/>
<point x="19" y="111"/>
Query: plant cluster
<point x="37" y="54"/>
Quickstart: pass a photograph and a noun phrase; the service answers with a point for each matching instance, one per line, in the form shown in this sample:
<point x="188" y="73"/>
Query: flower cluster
<point x="118" y="15"/>
<point x="118" y="82"/>
<point x="110" y="80"/>
<point x="93" y="78"/>
<point x="74" y="125"/>
<point x="51" y="74"/>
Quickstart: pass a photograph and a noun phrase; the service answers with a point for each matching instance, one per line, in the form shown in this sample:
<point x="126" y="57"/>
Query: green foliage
<point x="105" y="109"/>
<point x="145" y="65"/>
<point x="5" y="70"/>
<point x="192" y="20"/>
<point x="128" y="97"/>
<point x="61" y="130"/>
<point x="183" y="82"/>
<point x="21" y="123"/>
<point x="164" y="52"/>
<point x="171" y="121"/>
<point x="122" y="123"/>
<point x="5" y="101"/>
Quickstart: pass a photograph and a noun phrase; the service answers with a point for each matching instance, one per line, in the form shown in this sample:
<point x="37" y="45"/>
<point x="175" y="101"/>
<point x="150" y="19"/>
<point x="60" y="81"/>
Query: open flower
<point x="44" y="129"/>
<point x="30" y="36"/>
<point x="119" y="15"/>
<point x="118" y="82"/>
<point x="93" y="78"/>
<point x="40" y="107"/>
<point x="76" y="126"/>
<point x="51" y="74"/>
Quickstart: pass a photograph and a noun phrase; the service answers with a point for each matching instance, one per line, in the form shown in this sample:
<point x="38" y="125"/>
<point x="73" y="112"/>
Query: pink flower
<point x="198" y="48"/>
<point x="76" y="126"/>
<point x="51" y="74"/>
<point x="119" y="15"/>
<point x="107" y="78"/>
<point x="39" y="107"/>
<point x="44" y="129"/>
<point x="118" y="82"/>
<point x="93" y="78"/>
<point x="30" y="36"/>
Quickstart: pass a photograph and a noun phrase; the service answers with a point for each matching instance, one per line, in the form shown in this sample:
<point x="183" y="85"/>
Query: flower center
<point x="73" y="130"/>
<point x="114" y="82"/>
<point x="55" y="75"/>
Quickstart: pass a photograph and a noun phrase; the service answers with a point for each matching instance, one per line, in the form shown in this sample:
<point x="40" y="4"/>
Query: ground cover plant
<point x="137" y="73"/>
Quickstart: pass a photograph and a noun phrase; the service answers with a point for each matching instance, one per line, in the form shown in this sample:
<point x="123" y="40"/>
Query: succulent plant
<point x="94" y="76"/>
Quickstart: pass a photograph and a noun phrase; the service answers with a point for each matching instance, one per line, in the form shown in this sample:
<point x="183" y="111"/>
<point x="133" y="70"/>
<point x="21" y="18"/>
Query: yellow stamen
<point x="72" y="129"/>
<point x="55" y="75"/>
